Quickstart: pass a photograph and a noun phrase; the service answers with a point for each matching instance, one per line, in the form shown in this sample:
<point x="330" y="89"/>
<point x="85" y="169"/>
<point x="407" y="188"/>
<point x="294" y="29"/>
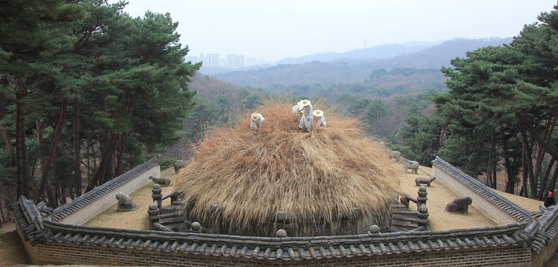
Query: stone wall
<point x="490" y="203"/>
<point x="55" y="240"/>
<point x="92" y="203"/>
<point x="545" y="241"/>
<point x="62" y="253"/>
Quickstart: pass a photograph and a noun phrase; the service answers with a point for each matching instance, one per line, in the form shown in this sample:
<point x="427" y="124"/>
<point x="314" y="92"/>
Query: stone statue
<point x="179" y="164"/>
<point x="423" y="180"/>
<point x="125" y="202"/>
<point x="160" y="180"/>
<point x="410" y="164"/>
<point x="460" y="204"/>
<point x="393" y="154"/>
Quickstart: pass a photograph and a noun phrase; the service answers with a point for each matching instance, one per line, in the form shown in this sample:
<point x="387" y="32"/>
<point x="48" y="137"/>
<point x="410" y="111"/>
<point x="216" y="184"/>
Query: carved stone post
<point x="421" y="199"/>
<point x="153" y="212"/>
<point x="281" y="233"/>
<point x="196" y="227"/>
<point x="157" y="195"/>
<point x="422" y="217"/>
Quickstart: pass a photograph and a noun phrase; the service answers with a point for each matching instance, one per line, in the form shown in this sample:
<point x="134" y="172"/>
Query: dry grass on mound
<point x="317" y="176"/>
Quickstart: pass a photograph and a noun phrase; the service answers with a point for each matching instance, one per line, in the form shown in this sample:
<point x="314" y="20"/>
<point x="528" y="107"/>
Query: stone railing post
<point x="422" y="217"/>
<point x="157" y="195"/>
<point x="421" y="199"/>
<point x="153" y="212"/>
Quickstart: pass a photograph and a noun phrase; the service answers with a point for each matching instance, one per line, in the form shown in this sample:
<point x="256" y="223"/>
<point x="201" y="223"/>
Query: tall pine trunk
<point x="510" y="184"/>
<point x="120" y="155"/>
<point x="9" y="147"/>
<point x="544" y="179"/>
<point x="529" y="166"/>
<point x="100" y="172"/>
<point x="20" y="144"/>
<point x="46" y="187"/>
<point x="553" y="182"/>
<point x="544" y="145"/>
<point x="77" y="151"/>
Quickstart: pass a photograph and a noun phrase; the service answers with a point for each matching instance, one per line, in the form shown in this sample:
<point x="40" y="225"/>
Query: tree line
<point x="500" y="114"/>
<point x="87" y="92"/>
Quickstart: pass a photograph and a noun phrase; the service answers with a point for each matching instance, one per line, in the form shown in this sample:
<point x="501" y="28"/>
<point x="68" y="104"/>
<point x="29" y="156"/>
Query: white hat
<point x="303" y="103"/>
<point x="255" y="116"/>
<point x="318" y="113"/>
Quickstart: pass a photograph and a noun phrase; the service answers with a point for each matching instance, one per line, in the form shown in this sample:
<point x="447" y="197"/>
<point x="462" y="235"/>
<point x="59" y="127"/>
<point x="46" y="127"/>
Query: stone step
<point x="409" y="212"/>
<point x="400" y="224"/>
<point x="171" y="220"/>
<point x="171" y="208"/>
<point x="404" y="218"/>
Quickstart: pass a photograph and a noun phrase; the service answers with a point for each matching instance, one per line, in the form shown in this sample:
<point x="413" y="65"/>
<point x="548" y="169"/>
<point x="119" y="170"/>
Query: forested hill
<point x="356" y="70"/>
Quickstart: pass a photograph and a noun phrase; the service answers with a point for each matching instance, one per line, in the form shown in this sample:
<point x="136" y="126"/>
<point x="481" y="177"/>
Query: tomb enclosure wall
<point x="488" y="202"/>
<point x="98" y="200"/>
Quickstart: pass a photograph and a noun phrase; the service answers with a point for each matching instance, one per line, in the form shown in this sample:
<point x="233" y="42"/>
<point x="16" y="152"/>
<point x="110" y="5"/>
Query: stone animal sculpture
<point x="460" y="204"/>
<point x="179" y="164"/>
<point x="410" y="164"/>
<point x="423" y="180"/>
<point x="125" y="202"/>
<point x="393" y="154"/>
<point x="160" y="180"/>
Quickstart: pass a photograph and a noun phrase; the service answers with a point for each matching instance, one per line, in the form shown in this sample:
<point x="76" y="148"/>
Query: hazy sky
<point x="277" y="29"/>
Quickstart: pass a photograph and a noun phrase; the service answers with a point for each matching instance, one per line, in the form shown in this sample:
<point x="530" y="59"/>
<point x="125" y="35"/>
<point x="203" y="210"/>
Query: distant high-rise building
<point x="211" y="60"/>
<point x="235" y="61"/>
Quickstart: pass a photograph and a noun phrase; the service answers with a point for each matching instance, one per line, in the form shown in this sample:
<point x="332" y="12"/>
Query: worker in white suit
<point x="320" y="118"/>
<point x="307" y="116"/>
<point x="256" y="121"/>
<point x="296" y="108"/>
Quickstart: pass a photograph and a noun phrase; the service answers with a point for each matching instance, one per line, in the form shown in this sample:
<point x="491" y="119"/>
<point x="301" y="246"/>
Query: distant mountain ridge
<point x="376" y="52"/>
<point x="356" y="67"/>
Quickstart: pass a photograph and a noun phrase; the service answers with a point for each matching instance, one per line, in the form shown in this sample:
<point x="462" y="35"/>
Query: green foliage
<point x="358" y="106"/>
<point x="377" y="73"/>
<point x="6" y="170"/>
<point x="377" y="109"/>
<point x="166" y="163"/>
<point x="423" y="133"/>
<point x="88" y="74"/>
<point x="501" y="103"/>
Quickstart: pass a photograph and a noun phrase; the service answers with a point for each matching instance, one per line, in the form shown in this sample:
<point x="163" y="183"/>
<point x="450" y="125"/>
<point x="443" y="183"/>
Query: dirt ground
<point x="136" y="219"/>
<point x="438" y="197"/>
<point x="11" y="248"/>
<point x="12" y="251"/>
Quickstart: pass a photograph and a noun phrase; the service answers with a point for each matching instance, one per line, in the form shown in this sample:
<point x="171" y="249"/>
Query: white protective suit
<point x="296" y="109"/>
<point x="307" y="116"/>
<point x="256" y="124"/>
<point x="321" y="121"/>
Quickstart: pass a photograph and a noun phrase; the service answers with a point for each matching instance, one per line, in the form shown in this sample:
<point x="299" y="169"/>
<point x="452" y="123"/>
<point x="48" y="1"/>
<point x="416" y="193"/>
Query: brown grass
<point x="315" y="177"/>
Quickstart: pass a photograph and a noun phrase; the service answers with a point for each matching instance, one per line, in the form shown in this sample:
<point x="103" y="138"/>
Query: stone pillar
<point x="157" y="195"/>
<point x="421" y="199"/>
<point x="281" y="233"/>
<point x="196" y="227"/>
<point x="153" y="212"/>
<point x="422" y="217"/>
